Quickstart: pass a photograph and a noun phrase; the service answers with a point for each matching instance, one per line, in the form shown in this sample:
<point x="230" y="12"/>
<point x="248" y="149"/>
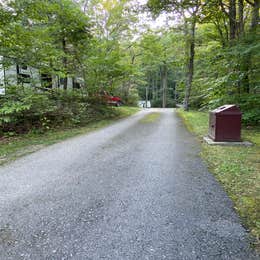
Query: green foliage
<point x="23" y="109"/>
<point x="227" y="74"/>
<point x="100" y="46"/>
<point x="158" y="103"/>
<point x="249" y="105"/>
<point x="132" y="98"/>
<point x="226" y="67"/>
<point x="35" y="30"/>
<point x="160" y="57"/>
<point x="59" y="38"/>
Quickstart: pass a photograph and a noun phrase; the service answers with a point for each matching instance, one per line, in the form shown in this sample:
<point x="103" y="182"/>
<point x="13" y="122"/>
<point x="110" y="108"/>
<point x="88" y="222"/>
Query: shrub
<point x="133" y="97"/>
<point x="249" y="105"/>
<point x="158" y="103"/>
<point x="24" y="109"/>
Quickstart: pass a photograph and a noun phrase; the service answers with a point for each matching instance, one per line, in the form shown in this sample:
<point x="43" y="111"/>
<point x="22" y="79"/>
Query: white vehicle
<point x="144" y="104"/>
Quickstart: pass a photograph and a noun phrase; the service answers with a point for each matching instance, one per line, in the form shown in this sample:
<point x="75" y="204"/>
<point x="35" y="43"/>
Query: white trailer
<point x="13" y="74"/>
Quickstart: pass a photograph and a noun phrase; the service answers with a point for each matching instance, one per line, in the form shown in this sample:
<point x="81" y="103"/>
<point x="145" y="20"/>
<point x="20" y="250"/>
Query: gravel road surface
<point x="134" y="190"/>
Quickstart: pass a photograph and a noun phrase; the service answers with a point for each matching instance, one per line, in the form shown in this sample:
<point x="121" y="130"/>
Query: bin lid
<point x="227" y="109"/>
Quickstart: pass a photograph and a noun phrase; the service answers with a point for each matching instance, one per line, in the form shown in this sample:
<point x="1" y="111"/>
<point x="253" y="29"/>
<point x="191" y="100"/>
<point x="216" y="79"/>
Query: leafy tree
<point x="45" y="34"/>
<point x="158" y="60"/>
<point x="189" y="11"/>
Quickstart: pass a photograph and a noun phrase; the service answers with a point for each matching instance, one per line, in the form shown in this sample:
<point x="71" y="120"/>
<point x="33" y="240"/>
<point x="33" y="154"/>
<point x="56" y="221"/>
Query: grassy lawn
<point x="14" y="147"/>
<point x="236" y="168"/>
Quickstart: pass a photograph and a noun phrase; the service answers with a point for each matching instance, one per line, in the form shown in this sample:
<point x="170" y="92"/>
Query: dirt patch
<point x="6" y="237"/>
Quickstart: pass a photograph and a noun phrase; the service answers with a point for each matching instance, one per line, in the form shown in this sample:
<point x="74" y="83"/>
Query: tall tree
<point x="189" y="11"/>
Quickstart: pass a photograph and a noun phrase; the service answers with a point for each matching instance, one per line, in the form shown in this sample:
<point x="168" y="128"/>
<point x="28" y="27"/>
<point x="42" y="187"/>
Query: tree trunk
<point x="255" y="15"/>
<point x="221" y="34"/>
<point x="245" y="68"/>
<point x="146" y="96"/>
<point x="246" y="59"/>
<point x="190" y="65"/>
<point x="246" y="65"/>
<point x="164" y="85"/>
<point x="231" y="14"/>
<point x="65" y="64"/>
<point x="154" y="85"/>
<point x="244" y="85"/>
<point x="157" y="84"/>
<point x="232" y="19"/>
<point x="241" y="18"/>
<point x="161" y="83"/>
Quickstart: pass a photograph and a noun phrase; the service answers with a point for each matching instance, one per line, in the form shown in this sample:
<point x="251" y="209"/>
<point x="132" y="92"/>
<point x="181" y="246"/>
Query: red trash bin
<point x="225" y="124"/>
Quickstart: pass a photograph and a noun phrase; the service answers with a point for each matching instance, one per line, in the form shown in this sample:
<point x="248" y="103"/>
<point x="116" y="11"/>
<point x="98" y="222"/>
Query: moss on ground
<point x="150" y="118"/>
<point x="236" y="168"/>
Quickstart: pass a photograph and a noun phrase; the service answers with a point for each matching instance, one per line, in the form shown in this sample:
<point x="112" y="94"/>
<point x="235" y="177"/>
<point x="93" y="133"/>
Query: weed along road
<point x="134" y="190"/>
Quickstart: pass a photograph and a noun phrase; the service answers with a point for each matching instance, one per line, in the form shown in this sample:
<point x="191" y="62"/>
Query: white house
<point x="13" y="74"/>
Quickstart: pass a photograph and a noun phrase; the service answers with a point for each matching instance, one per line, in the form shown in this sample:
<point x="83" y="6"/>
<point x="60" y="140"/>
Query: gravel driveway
<point x="134" y="190"/>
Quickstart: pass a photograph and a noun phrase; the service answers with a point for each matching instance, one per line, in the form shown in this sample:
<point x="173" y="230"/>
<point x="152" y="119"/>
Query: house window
<point x="24" y="78"/>
<point x="76" y="85"/>
<point x="46" y="80"/>
<point x="62" y="80"/>
<point x="23" y="71"/>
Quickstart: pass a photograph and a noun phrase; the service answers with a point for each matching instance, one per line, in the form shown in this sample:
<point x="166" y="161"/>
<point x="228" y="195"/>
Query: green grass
<point x="14" y="147"/>
<point x="127" y="111"/>
<point x="236" y="168"/>
<point x="150" y="118"/>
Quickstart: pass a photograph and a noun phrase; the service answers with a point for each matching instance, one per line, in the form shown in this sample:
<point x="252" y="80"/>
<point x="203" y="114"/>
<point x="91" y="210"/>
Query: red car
<point x="112" y="100"/>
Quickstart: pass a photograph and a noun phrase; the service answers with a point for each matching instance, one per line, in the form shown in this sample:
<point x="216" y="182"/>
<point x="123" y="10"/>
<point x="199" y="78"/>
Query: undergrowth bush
<point x="248" y="103"/>
<point x="24" y="109"/>
<point x="158" y="103"/>
<point x="133" y="97"/>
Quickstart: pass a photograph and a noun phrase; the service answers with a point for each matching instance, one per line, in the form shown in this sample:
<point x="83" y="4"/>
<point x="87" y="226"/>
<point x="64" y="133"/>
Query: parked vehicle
<point x="112" y="100"/>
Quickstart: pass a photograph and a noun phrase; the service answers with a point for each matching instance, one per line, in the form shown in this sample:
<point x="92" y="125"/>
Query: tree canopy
<point x="204" y="55"/>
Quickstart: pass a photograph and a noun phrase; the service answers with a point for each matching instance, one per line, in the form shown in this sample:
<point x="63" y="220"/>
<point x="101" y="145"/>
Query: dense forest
<point x="204" y="54"/>
<point x="215" y="53"/>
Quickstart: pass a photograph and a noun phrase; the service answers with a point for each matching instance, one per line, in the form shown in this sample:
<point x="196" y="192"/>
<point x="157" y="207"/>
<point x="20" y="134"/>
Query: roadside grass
<point x="236" y="168"/>
<point x="17" y="146"/>
<point x="127" y="111"/>
<point x="150" y="118"/>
